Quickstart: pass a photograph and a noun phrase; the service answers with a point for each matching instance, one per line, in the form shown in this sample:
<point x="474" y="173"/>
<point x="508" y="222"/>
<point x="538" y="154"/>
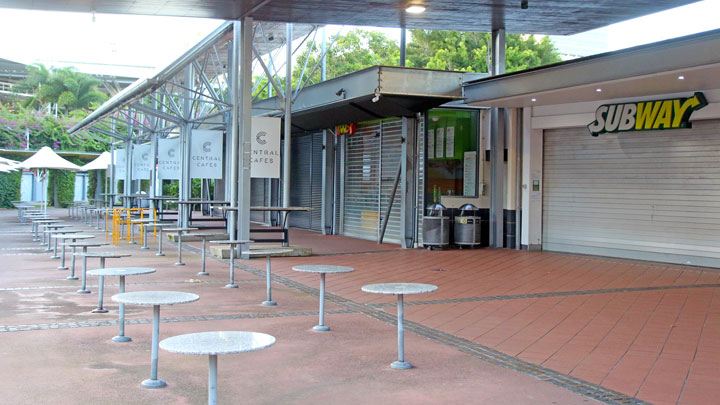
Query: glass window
<point x="452" y="154"/>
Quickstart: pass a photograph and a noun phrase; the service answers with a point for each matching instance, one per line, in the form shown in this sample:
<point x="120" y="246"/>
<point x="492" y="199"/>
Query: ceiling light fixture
<point x="599" y="90"/>
<point x="415" y="9"/>
<point x="533" y="100"/>
<point x="524" y="4"/>
<point x="681" y="77"/>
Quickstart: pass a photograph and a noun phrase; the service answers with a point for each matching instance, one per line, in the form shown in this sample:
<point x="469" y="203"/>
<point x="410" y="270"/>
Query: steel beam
<point x="288" y="118"/>
<point x="233" y="129"/>
<point x="245" y="99"/>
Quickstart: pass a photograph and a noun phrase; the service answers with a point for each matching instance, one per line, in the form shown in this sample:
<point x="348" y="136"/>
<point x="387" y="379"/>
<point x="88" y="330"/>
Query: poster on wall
<point x="168" y="159"/>
<point x="265" y="146"/>
<point x="469" y="173"/>
<point x="450" y="142"/>
<point x="431" y="144"/>
<point x="120" y="164"/>
<point x="141" y="162"/>
<point x="206" y="154"/>
<point x="440" y="141"/>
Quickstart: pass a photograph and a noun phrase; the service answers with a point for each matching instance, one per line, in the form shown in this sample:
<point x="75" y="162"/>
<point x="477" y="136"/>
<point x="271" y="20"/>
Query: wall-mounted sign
<point x="345" y="129"/>
<point x="141" y="162"/>
<point x="265" y="146"/>
<point x="206" y="154"/>
<point x="120" y="159"/>
<point x="169" y="159"/>
<point x="646" y="115"/>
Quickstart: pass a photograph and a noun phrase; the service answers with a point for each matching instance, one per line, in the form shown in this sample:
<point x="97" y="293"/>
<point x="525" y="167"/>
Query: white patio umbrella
<point x="44" y="160"/>
<point x="100" y="163"/>
<point x="7" y="165"/>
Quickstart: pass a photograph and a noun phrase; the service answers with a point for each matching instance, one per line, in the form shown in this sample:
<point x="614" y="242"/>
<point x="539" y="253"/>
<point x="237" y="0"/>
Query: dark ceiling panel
<point x="558" y="17"/>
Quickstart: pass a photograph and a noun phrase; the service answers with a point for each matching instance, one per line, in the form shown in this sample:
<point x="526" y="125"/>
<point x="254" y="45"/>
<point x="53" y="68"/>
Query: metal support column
<point x="245" y="131"/>
<point x="408" y="185"/>
<point x="185" y="134"/>
<point x="127" y="183"/>
<point x="113" y="186"/>
<point x="403" y="46"/>
<point x="328" y="183"/>
<point x="497" y="148"/>
<point x="287" y="130"/>
<point x="233" y="129"/>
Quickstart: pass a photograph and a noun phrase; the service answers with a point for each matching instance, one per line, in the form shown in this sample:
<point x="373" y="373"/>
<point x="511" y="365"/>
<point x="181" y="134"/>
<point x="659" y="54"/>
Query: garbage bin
<point x="467" y="226"/>
<point x="436" y="227"/>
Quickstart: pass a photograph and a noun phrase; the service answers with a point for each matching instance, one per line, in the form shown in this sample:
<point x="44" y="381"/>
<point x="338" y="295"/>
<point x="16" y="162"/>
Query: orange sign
<point x="345" y="129"/>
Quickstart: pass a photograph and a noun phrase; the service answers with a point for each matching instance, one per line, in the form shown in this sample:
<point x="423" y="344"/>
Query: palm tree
<point x="64" y="87"/>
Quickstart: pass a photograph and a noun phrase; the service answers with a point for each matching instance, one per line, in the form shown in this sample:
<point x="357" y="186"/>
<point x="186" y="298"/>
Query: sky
<point x="137" y="45"/>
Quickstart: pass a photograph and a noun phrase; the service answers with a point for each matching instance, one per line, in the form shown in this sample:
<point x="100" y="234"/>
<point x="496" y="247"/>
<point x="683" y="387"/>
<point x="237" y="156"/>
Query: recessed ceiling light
<point x="415" y="9"/>
<point x="533" y="100"/>
<point x="599" y="90"/>
<point x="681" y="77"/>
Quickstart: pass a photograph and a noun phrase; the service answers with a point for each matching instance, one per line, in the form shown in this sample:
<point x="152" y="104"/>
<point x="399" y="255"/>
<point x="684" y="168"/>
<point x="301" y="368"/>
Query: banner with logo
<point x="120" y="160"/>
<point x="169" y="159"/>
<point x="265" y="147"/>
<point x="206" y="154"/>
<point x="141" y="162"/>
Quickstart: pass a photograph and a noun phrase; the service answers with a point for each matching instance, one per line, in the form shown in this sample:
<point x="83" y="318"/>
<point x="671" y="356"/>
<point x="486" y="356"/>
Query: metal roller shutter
<point x="306" y="180"/>
<point x="390" y="161"/>
<point x="644" y="195"/>
<point x="371" y="161"/>
<point x="421" y="178"/>
<point x="258" y="198"/>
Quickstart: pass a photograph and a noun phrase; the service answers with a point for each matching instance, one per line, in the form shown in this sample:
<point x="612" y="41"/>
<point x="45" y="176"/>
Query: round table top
<point x="46" y="220"/>
<point x="155" y="297"/>
<point x="73" y="236"/>
<point x="214" y="343"/>
<point x="56" y="225"/>
<point x="230" y="242"/>
<point x="180" y="229"/>
<point x="267" y="252"/>
<point x="121" y="271"/>
<point x="61" y="231"/>
<point x="322" y="268"/>
<point x="107" y="255"/>
<point x="86" y="243"/>
<point x="399" y="288"/>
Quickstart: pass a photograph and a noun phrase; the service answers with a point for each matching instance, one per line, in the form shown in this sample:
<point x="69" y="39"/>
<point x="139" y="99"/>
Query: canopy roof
<point x="101" y="163"/>
<point x="559" y="17"/>
<point x="45" y="158"/>
<point x="676" y="65"/>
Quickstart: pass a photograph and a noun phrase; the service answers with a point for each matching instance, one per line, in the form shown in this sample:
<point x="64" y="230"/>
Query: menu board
<point x="440" y="150"/>
<point x="450" y="142"/>
<point x="469" y="173"/>
<point x="431" y="144"/>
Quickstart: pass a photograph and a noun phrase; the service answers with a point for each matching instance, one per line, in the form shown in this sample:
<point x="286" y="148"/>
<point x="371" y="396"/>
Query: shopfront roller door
<point x="652" y="195"/>
<point x="371" y="161"/>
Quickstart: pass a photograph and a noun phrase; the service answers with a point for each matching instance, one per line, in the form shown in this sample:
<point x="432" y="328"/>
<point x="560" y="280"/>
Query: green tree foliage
<point x="9" y="188"/>
<point x="443" y="50"/>
<point x="469" y="51"/>
<point x="69" y="89"/>
<point x="44" y="130"/>
<point x="351" y="52"/>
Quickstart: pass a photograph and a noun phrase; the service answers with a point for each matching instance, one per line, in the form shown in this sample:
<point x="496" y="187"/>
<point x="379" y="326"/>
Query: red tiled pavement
<point x="659" y="345"/>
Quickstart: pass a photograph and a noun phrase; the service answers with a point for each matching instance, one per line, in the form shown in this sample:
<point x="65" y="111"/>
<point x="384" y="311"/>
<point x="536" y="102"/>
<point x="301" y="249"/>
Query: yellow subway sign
<point x="646" y="115"/>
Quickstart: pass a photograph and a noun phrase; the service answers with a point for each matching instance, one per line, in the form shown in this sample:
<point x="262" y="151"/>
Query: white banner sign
<point x="120" y="164"/>
<point x="141" y="162"/>
<point x="169" y="159"/>
<point x="265" y="146"/>
<point x="206" y="154"/>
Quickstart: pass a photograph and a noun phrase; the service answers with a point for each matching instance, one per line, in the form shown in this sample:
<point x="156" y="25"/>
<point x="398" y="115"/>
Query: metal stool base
<point x="153" y="383"/>
<point x="321" y="328"/>
<point x="269" y="303"/>
<point x="122" y="339"/>
<point x="400" y="365"/>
